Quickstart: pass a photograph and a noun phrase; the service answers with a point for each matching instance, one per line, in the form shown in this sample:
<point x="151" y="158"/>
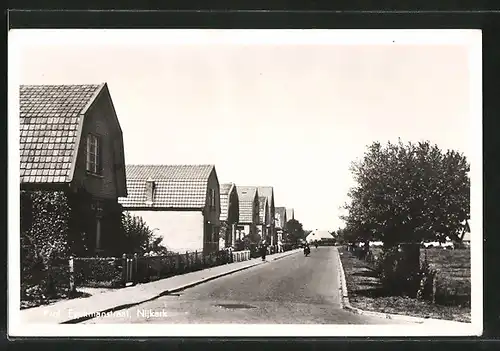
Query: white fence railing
<point x="239" y="256"/>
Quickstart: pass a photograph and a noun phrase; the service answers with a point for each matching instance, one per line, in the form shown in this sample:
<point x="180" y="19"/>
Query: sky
<point x="292" y="114"/>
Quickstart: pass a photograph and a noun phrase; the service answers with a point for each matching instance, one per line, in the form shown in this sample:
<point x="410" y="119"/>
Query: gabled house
<point x="71" y="144"/>
<point x="262" y="226"/>
<point x="268" y="192"/>
<point x="181" y="202"/>
<point x="229" y="213"/>
<point x="320" y="236"/>
<point x="290" y="214"/>
<point x="248" y="211"/>
<point x="280" y="222"/>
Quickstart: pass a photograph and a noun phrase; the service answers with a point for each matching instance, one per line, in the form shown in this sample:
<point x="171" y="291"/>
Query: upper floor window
<point x="93" y="154"/>
<point x="211" y="195"/>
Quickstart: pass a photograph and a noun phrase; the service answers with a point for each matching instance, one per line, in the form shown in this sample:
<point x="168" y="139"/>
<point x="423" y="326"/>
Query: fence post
<point x="196" y="258"/>
<point x="71" y="275"/>
<point x="434" y="287"/>
<point x="124" y="269"/>
<point x="134" y="269"/>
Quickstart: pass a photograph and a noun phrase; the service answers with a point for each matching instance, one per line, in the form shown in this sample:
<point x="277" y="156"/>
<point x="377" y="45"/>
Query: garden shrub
<point x="399" y="277"/>
<point x="45" y="238"/>
<point x="139" y="238"/>
<point x="239" y="245"/>
<point x="427" y="276"/>
<point x="98" y="272"/>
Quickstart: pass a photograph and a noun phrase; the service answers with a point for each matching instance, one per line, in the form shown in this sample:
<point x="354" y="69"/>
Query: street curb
<point x="289" y="254"/>
<point x="347" y="305"/>
<point x="168" y="292"/>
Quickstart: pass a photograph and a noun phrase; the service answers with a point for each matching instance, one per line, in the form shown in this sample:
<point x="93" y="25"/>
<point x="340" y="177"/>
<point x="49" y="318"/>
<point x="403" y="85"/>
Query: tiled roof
<point x="163" y="172"/>
<point x="49" y="120"/>
<point x="246" y="195"/>
<point x="262" y="209"/>
<point x="225" y="190"/>
<point x="176" y="186"/>
<point x="290" y="214"/>
<point x="266" y="191"/>
<point x="280" y="215"/>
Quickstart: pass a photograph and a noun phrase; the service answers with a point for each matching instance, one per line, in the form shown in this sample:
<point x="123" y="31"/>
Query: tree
<point x="224" y="232"/>
<point x="407" y="193"/>
<point x="139" y="238"/>
<point x="294" y="230"/>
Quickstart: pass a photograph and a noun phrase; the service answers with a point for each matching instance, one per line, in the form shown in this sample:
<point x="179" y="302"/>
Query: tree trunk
<point x="410" y="267"/>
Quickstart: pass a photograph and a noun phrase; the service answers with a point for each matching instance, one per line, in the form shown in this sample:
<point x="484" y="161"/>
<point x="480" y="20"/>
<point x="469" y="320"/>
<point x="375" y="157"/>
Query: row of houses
<point x="71" y="141"/>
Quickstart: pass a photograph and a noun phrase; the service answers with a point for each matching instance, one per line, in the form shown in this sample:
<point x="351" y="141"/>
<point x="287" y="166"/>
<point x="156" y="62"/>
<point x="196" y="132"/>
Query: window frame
<point x="93" y="154"/>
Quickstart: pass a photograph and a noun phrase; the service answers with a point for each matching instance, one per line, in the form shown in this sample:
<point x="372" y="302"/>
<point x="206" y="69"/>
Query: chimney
<point x="150" y="191"/>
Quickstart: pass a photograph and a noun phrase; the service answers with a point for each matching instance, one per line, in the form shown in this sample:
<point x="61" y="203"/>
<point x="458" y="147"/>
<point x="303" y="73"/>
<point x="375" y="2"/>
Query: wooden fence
<point x="133" y="269"/>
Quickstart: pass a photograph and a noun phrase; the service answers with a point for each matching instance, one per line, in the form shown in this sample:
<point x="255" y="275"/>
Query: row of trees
<point x="406" y="194"/>
<point x="293" y="233"/>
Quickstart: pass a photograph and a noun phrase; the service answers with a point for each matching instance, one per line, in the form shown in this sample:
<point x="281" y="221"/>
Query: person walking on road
<point x="263" y="250"/>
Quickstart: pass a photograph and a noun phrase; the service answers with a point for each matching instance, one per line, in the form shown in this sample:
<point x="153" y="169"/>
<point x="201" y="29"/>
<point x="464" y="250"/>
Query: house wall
<point x="212" y="214"/>
<point x="181" y="230"/>
<point x="233" y="207"/>
<point x="100" y="120"/>
<point x="256" y="216"/>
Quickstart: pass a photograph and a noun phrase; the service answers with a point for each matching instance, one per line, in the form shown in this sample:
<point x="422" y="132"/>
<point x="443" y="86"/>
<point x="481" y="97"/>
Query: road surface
<point x="292" y="290"/>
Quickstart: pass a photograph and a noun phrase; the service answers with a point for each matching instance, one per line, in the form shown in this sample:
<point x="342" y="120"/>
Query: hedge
<point x="45" y="222"/>
<point x="98" y="272"/>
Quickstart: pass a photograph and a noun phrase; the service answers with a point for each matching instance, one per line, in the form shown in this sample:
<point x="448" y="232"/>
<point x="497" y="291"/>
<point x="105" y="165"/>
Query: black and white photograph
<point x="189" y="182"/>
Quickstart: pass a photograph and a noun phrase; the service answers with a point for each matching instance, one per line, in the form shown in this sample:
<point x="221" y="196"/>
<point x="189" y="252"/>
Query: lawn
<point x="36" y="302"/>
<point x="365" y="291"/>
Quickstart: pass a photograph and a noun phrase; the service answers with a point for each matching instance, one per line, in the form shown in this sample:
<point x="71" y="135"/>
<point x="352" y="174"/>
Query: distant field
<point x="454" y="274"/>
<point x="454" y="270"/>
<point x="453" y="283"/>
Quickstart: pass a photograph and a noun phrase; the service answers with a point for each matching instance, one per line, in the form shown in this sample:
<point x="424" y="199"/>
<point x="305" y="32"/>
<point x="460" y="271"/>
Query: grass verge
<point x="44" y="301"/>
<point x="366" y="293"/>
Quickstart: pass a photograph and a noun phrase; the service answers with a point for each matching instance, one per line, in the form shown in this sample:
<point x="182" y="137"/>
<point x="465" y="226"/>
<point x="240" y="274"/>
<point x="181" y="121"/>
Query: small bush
<point x="96" y="272"/>
<point x="139" y="238"/>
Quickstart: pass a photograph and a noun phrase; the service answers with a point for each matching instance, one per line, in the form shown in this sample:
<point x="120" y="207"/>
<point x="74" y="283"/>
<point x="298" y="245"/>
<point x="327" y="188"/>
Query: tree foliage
<point x="408" y="193"/>
<point x="45" y="237"/>
<point x="294" y="231"/>
<point x="139" y="238"/>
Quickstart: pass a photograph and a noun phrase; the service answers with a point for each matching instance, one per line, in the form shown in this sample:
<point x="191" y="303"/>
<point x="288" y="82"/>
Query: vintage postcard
<point x="245" y="183"/>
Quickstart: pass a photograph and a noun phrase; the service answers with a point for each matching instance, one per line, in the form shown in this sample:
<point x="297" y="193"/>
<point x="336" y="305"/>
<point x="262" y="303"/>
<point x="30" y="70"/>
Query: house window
<point x="93" y="154"/>
<point x="212" y="198"/>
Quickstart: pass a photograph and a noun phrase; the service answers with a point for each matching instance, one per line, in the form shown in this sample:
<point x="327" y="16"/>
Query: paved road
<point x="292" y="290"/>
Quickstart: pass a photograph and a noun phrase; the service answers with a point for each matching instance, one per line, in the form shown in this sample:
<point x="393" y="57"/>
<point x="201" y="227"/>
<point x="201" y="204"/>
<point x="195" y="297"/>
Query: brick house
<point x="71" y="142"/>
<point x="262" y="226"/>
<point x="270" y="233"/>
<point x="248" y="211"/>
<point x="280" y="222"/>
<point x="229" y="213"/>
<point x="180" y="202"/>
